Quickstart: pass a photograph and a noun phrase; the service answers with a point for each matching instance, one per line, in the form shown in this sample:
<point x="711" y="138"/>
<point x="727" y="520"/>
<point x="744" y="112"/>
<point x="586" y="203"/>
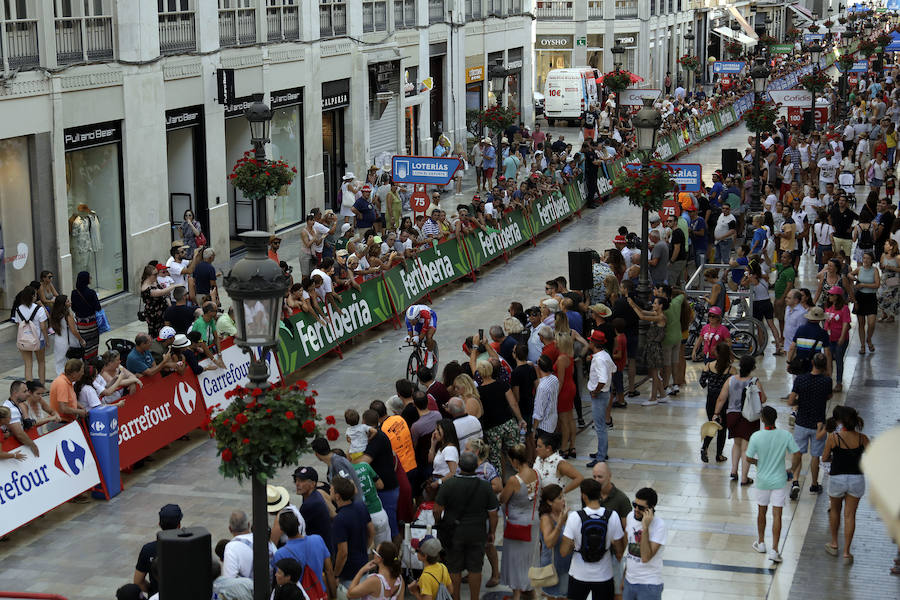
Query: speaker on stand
<point x="730" y="160"/>
<point x="580" y="270"/>
<point x="185" y="563"/>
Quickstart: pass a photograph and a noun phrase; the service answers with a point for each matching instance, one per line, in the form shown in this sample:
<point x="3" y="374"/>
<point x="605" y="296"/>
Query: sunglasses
<point x="636" y="505"/>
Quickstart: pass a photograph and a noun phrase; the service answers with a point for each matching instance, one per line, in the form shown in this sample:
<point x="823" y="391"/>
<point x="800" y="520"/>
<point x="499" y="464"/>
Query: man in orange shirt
<point x="274" y="245"/>
<point x="62" y="391"/>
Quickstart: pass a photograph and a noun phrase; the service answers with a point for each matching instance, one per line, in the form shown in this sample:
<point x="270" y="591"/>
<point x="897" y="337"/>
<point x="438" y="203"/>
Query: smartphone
<point x="481" y="334"/>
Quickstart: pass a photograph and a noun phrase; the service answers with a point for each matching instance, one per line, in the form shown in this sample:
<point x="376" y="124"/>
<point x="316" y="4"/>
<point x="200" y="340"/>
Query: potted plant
<point x="734" y="48"/>
<point x="616" y="81"/>
<point x="814" y="82"/>
<point x="760" y="117"/>
<point x="883" y="40"/>
<point x="813" y="28"/>
<point x="828" y="24"/>
<point x="645" y="188"/>
<point x="690" y="62"/>
<point x="263" y="430"/>
<point x="792" y="35"/>
<point x="866" y="48"/>
<point x="498" y="118"/>
<point x="261" y="178"/>
<point x="842" y="20"/>
<point x="845" y="62"/>
<point x="767" y="40"/>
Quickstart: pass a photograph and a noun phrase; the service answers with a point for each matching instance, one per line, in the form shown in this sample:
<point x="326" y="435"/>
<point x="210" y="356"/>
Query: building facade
<point x="111" y="126"/>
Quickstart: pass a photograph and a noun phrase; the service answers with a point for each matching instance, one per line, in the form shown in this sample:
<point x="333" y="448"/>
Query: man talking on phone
<point x="646" y="535"/>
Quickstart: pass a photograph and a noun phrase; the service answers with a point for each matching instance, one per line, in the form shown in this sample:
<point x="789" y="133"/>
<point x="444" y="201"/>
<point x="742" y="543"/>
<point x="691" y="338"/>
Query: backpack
<point x="750" y="403"/>
<point x="865" y="239"/>
<point x="311" y="585"/>
<point x="442" y="592"/>
<point x="28" y="338"/>
<point x="593" y="535"/>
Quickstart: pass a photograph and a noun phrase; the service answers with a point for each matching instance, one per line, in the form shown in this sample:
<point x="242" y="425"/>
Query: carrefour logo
<point x="70" y="458"/>
<point x="185" y="398"/>
<point x="98" y="426"/>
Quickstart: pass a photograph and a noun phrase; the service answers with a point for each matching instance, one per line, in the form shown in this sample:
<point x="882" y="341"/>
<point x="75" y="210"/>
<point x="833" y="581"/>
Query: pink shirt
<point x="835" y="320"/>
<point x="712" y="336"/>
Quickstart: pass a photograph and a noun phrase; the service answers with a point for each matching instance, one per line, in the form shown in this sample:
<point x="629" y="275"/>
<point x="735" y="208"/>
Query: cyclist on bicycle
<point x="421" y="322"/>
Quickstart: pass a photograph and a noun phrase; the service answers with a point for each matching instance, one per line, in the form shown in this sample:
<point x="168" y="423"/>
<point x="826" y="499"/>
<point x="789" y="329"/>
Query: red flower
<point x="241" y="418"/>
<point x="226" y="422"/>
<point x="246" y="441"/>
<point x="330" y="420"/>
<point x="302" y="385"/>
<point x="309" y="426"/>
<point x="312" y="412"/>
<point x="268" y="410"/>
<point x="310" y="401"/>
<point x="256" y="392"/>
<point x="289" y="415"/>
<point x="332" y="434"/>
<point x="234" y="428"/>
<point x="252" y="405"/>
<point x="227" y="455"/>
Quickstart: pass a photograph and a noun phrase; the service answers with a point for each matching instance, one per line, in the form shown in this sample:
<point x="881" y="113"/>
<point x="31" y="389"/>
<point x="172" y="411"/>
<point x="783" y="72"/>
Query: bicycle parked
<point x="743" y="340"/>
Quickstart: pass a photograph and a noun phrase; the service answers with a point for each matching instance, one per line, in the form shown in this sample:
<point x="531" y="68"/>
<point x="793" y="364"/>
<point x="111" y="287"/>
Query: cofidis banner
<point x="215" y="383"/>
<point x="31" y="487"/>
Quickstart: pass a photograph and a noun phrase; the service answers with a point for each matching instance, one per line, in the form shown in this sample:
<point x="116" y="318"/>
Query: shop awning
<point x="748" y="31"/>
<point x="727" y="33"/>
<point x="801" y="12"/>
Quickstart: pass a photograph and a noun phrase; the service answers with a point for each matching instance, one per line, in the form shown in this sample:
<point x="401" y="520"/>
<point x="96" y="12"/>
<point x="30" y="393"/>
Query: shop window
<point x="17" y="268"/>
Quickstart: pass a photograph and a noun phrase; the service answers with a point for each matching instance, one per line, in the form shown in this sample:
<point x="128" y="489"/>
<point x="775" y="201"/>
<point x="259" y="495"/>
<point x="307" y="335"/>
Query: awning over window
<point x="801" y="12"/>
<point x="727" y="33"/>
<point x="744" y="24"/>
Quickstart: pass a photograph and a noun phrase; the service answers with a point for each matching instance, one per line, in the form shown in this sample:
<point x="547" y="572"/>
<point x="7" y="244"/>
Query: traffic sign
<point x="431" y="170"/>
<point x="670" y="208"/>
<point x="688" y="176"/>
<point x="809" y="38"/>
<point x="728" y="66"/>
<point x="781" y="48"/>
<point x="419" y="201"/>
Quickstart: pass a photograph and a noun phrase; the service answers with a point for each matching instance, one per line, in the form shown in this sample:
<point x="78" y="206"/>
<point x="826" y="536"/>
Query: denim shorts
<point x="841" y="485"/>
<point x="806" y="438"/>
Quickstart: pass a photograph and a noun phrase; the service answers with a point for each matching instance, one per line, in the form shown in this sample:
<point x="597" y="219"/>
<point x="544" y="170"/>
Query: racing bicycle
<point x="417" y="359"/>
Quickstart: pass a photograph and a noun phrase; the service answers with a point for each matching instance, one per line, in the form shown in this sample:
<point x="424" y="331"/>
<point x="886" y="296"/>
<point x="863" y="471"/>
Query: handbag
<point x="543" y="577"/>
<point x="704" y="378"/>
<point x="751" y="405"/>
<point x="200" y="240"/>
<point x="522" y="533"/>
<point x="102" y="322"/>
<point x="893" y="280"/>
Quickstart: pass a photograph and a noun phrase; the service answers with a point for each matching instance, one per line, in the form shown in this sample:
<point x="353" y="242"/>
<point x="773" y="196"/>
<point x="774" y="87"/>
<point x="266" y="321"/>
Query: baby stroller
<point x="847" y="182"/>
<point x="413" y="534"/>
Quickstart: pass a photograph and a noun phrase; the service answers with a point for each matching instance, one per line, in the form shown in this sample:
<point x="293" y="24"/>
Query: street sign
<point x="781" y="48"/>
<point x="582" y="41"/>
<point x="431" y="170"/>
<point x="801" y="98"/>
<point x="635" y="96"/>
<point x="688" y="176"/>
<point x="419" y="201"/>
<point x="728" y="66"/>
<point x="860" y="66"/>
<point x="224" y="86"/>
<point x="893" y="46"/>
<point x="670" y="208"/>
<point x="809" y="38"/>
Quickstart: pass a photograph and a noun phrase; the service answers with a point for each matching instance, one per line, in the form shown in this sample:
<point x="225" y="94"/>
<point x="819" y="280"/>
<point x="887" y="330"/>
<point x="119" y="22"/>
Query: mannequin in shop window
<point x="84" y="239"/>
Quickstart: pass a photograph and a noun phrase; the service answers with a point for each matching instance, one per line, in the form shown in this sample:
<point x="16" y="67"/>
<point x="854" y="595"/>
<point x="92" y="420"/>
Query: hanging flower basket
<point x="767" y="40"/>
<point x="842" y="20"/>
<point x="828" y="24"/>
<point x="616" y="81"/>
<point x="883" y="40"/>
<point x="498" y="118"/>
<point x="813" y="28"/>
<point x="261" y="178"/>
<point x="792" y="35"/>
<point x="866" y="48"/>
<point x="760" y="117"/>
<point x="263" y="430"/>
<point x="814" y="82"/>
<point x="647" y="187"/>
<point x="845" y="62"/>
<point x="689" y="62"/>
<point x="734" y="48"/>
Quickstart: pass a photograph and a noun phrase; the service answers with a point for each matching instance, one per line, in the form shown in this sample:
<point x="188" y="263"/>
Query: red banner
<point x="795" y="115"/>
<point x="165" y="409"/>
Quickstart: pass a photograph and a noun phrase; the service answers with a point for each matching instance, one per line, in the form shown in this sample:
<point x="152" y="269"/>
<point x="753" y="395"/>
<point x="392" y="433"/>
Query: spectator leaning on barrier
<point x="140" y="360"/>
<point x="63" y="400"/>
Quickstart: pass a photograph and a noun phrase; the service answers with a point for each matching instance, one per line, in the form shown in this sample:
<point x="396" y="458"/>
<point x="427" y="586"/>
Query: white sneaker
<point x="669" y="391"/>
<point x="649" y="403"/>
<point x="663" y="399"/>
<point x="675" y="389"/>
<point x="774" y="556"/>
<point x="760" y="547"/>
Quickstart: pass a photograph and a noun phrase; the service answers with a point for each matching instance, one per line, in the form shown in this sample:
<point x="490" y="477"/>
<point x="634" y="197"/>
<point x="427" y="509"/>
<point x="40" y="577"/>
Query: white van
<point x="567" y="92"/>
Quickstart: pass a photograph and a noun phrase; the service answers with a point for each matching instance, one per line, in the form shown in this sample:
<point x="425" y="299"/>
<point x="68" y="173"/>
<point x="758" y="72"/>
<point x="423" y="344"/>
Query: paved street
<point x="86" y="552"/>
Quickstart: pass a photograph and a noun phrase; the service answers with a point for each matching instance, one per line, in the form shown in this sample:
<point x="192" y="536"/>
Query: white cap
<point x="345" y="228"/>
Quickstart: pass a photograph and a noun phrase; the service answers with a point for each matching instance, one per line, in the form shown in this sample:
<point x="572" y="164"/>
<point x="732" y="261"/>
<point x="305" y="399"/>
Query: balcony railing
<point x="495" y="8"/>
<point x="283" y="23"/>
<point x="556" y="10"/>
<point x="435" y="11"/>
<point x="374" y="15"/>
<point x="237" y="26"/>
<point x="473" y="9"/>
<point x="595" y="9"/>
<point x="177" y="32"/>
<point x="404" y="14"/>
<point x="332" y="19"/>
<point x="627" y="9"/>
<point x="19" y="44"/>
<point x="83" y="39"/>
<point x="514" y="7"/>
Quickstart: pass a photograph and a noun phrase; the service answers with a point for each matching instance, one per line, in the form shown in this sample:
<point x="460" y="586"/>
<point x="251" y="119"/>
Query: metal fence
<point x="19" y="44"/>
<point x="237" y="26"/>
<point x="82" y="39"/>
<point x="595" y="9"/>
<point x="332" y="19"/>
<point x="374" y="15"/>
<point x="177" y="32"/>
<point x="283" y="23"/>
<point x="514" y="7"/>
<point x="554" y="10"/>
<point x="627" y="9"/>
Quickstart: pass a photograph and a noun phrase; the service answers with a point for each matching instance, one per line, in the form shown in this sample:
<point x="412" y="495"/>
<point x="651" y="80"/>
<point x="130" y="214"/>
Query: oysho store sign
<point x="88" y="136"/>
<point x="37" y="484"/>
<point x="214" y="384"/>
<point x="553" y="42"/>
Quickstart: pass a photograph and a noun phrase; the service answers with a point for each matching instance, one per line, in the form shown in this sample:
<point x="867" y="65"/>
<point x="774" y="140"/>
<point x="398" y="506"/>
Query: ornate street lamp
<point x="646" y="124"/>
<point x="256" y="285"/>
<point x="815" y="53"/>
<point x="618" y="50"/>
<point x="760" y="74"/>
<point x="260" y="117"/>
<point x="867" y="27"/>
<point x="689" y="38"/>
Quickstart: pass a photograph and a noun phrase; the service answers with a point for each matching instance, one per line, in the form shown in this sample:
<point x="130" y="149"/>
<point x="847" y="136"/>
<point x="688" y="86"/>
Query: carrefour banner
<point x="302" y="339"/>
<point x="38" y="484"/>
<point x="485" y="246"/>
